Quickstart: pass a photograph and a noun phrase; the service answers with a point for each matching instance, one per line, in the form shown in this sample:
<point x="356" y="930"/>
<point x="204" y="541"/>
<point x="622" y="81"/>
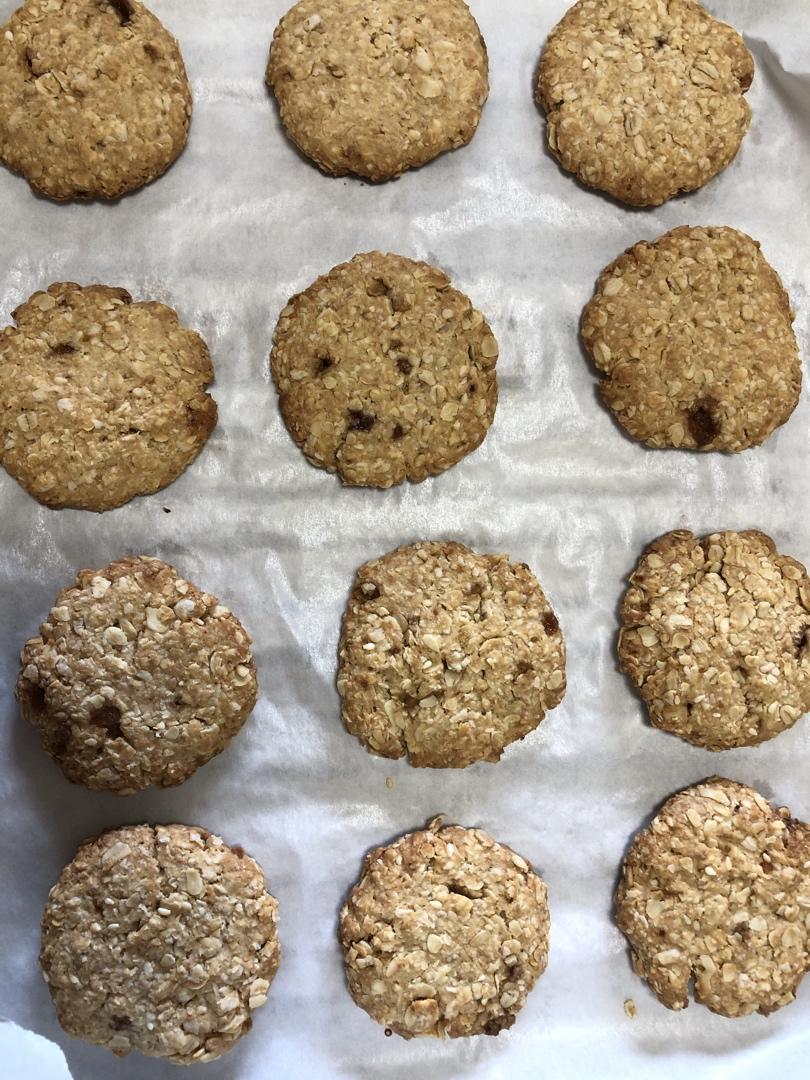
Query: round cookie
<point x="375" y="89"/>
<point x="101" y="399"/>
<point x="716" y="636"/>
<point x="693" y="337"/>
<point x="384" y="372"/>
<point x="447" y="656"/>
<point x="715" y="889"/>
<point x="94" y="98"/>
<point x="644" y="99"/>
<point x="137" y="677"/>
<point x="160" y="939"/>
<point x="445" y="933"/>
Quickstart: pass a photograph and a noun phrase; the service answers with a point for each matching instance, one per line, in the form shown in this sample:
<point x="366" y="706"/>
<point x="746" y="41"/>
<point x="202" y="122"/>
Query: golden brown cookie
<point x="693" y="335"/>
<point x="94" y="98"/>
<point x="101" y="399"/>
<point x="445" y="933"/>
<point x="644" y="98"/>
<point x="375" y="89"/>
<point x="137" y="678"/>
<point x="160" y="939"/>
<point x="717" y="889"/>
<point x="384" y="371"/>
<point x="447" y="656"/>
<point x="716" y="636"/>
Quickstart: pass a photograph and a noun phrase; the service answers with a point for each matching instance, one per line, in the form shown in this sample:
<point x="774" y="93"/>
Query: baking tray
<point x="239" y="224"/>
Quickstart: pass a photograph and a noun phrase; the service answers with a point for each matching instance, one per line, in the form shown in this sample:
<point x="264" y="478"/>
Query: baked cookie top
<point x="716" y="636"/>
<point x="375" y="89"/>
<point x="94" y="98"/>
<point x="160" y="939"/>
<point x="384" y="372"/>
<point x="445" y="933"/>
<point x="717" y="889"/>
<point x="101" y="399"/>
<point x="447" y="656"/>
<point x="693" y="335"/>
<point x="644" y="98"/>
<point x="137" y="678"/>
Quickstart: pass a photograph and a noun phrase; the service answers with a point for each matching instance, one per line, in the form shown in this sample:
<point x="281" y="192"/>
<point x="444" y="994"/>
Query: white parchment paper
<point x="239" y="224"/>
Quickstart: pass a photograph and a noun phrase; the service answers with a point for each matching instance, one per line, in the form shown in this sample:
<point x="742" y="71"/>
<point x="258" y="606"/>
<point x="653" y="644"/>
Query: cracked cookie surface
<point x="375" y="89"/>
<point x="384" y="372"/>
<point x="101" y="399"/>
<point x="137" y="677"/>
<point x="160" y="939"/>
<point x="693" y="335"/>
<point x="716" y="636"/>
<point x="644" y="98"/>
<point x="445" y="933"/>
<point x="94" y="98"/>
<point x="717" y="889"/>
<point x="447" y="656"/>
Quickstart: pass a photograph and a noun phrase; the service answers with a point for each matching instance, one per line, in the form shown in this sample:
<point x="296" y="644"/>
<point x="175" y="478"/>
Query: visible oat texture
<point x="717" y="889"/>
<point x="385" y="372"/>
<point x="101" y="399"/>
<point x="137" y="678"/>
<point x="694" y="339"/>
<point x="160" y="939"/>
<point x="445" y="933"/>
<point x="94" y="98"/>
<point x="644" y="98"/>
<point x="716" y="635"/>
<point x="447" y="656"/>
<point x="375" y="89"/>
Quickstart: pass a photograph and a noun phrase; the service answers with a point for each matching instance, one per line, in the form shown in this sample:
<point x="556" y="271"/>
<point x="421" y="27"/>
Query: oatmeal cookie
<point x="716" y="636"/>
<point x="101" y="399"/>
<point x="160" y="939"/>
<point x="445" y="933"/>
<point x="716" y="889"/>
<point x="447" y="656"/>
<point x="375" y="89"/>
<point x="644" y="98"/>
<point x="384" y="372"/>
<point x="137" y="678"/>
<point x="94" y="98"/>
<point x="693" y="335"/>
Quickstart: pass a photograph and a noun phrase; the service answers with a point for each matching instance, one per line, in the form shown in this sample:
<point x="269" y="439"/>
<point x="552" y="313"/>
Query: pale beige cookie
<point x="101" y="399"/>
<point x="160" y="939"/>
<point x="445" y="933"/>
<point x="94" y="98"/>
<point x="644" y="98"/>
<point x="717" y="889"/>
<point x="716" y="636"/>
<point x="137" y="678"/>
<point x="375" y="89"/>
<point x="447" y="656"/>
<point x="693" y="335"/>
<point x="384" y="372"/>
